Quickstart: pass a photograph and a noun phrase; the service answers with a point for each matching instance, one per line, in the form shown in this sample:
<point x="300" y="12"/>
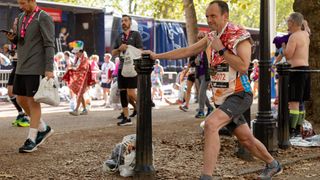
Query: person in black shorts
<point x="33" y="34"/>
<point x="299" y="91"/>
<point x="296" y="52"/>
<point x="190" y="82"/>
<point x="107" y="69"/>
<point x="127" y="85"/>
<point x="22" y="119"/>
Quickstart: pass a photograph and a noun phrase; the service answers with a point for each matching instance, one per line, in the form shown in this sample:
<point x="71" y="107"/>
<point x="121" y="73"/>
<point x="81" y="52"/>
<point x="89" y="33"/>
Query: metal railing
<point x="168" y="77"/>
<point x="284" y="71"/>
<point x="4" y="77"/>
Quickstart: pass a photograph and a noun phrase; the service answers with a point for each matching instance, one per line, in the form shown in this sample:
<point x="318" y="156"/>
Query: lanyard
<point x="25" y="25"/>
<point x="125" y="38"/>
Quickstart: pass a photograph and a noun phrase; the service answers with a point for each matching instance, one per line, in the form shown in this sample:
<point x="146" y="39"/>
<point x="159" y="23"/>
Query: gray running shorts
<point x="234" y="106"/>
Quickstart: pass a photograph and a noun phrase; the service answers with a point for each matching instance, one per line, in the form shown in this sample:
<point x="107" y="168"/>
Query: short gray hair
<point x="296" y="18"/>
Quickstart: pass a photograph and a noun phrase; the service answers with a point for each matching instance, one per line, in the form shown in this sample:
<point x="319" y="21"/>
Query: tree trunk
<point x="130" y="6"/>
<point x="191" y="21"/>
<point x="311" y="12"/>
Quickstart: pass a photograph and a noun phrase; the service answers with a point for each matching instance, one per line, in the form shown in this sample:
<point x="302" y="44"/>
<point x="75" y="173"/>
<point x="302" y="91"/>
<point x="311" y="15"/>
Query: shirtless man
<point x="297" y="54"/>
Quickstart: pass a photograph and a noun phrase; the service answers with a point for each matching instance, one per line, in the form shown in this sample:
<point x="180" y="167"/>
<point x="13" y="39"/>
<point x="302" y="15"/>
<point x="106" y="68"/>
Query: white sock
<point x="42" y="126"/>
<point x="106" y="99"/>
<point x="33" y="134"/>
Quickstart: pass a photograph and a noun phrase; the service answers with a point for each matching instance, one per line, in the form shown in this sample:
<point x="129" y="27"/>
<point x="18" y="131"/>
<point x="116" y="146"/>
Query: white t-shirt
<point x="104" y="70"/>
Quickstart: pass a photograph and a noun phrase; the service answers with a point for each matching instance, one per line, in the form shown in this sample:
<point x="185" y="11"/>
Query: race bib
<point x="221" y="78"/>
<point x="104" y="78"/>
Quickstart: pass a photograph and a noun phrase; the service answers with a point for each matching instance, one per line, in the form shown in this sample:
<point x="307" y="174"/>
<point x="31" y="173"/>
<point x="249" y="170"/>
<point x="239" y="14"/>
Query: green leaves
<point x="244" y="12"/>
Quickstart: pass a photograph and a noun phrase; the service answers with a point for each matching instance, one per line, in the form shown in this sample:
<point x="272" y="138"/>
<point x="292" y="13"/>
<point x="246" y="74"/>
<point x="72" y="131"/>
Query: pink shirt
<point x="115" y="72"/>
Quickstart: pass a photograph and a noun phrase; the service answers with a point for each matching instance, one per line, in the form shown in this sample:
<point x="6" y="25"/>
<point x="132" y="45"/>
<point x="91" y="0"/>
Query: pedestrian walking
<point x="35" y="45"/>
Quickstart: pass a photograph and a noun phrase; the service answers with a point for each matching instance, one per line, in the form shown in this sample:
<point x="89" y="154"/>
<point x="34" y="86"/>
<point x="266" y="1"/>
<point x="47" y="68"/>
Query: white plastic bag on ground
<point x="127" y="169"/>
<point x="112" y="164"/>
<point x="122" y="157"/>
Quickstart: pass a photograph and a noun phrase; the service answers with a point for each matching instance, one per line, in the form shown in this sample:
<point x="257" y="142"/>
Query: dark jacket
<point x="36" y="49"/>
<point x="205" y="62"/>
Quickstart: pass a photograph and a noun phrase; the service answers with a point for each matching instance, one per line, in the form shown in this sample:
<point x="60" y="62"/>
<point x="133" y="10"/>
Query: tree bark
<point x="130" y="7"/>
<point x="311" y="12"/>
<point x="191" y="21"/>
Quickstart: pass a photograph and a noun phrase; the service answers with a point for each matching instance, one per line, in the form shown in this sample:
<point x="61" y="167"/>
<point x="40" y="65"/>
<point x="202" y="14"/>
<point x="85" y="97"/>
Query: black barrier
<point x="265" y="126"/>
<point x="144" y="161"/>
<point x="283" y="110"/>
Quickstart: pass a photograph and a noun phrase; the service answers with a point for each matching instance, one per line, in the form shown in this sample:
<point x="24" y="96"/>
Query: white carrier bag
<point x="128" y="67"/>
<point x="48" y="92"/>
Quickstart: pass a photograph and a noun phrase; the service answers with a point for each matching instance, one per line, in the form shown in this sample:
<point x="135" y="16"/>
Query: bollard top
<point x="144" y="65"/>
<point x="284" y="65"/>
<point x="282" y="68"/>
<point x="146" y="56"/>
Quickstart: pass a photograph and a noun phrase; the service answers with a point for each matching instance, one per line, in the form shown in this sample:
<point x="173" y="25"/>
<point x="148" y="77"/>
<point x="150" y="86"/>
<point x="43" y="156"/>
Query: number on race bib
<point x="221" y="78"/>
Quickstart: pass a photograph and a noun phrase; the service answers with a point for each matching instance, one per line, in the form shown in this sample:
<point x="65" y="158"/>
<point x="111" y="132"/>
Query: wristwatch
<point x="221" y="52"/>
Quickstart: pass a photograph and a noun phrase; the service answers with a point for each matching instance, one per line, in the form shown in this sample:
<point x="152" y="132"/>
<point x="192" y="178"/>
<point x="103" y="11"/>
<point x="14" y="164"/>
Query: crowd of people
<point x="218" y="62"/>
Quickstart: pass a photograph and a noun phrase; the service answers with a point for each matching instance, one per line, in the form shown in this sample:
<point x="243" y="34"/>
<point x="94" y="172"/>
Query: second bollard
<point x="283" y="110"/>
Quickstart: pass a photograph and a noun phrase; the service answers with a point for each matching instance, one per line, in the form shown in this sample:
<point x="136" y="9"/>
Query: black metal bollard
<point x="242" y="152"/>
<point x="265" y="127"/>
<point x="144" y="161"/>
<point x="283" y="110"/>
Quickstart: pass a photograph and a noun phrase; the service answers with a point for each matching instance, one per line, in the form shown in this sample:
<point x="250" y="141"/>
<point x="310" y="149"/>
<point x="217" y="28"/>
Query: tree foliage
<point x="244" y="12"/>
<point x="86" y="3"/>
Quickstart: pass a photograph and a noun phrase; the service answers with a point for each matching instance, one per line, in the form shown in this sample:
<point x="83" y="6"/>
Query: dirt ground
<point x="81" y="144"/>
